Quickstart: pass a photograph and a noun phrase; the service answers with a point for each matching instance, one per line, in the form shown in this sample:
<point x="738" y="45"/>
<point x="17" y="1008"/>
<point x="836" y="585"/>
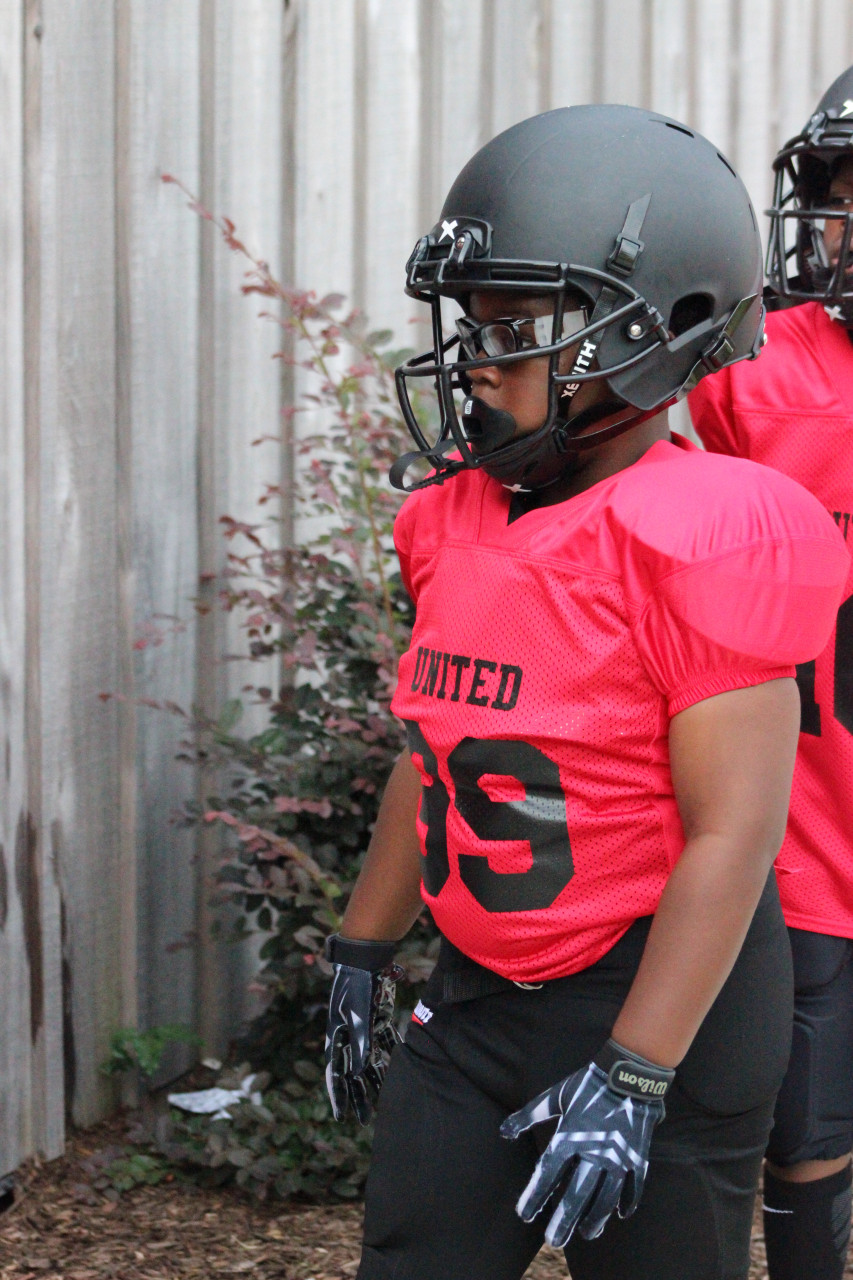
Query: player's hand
<point x="360" y="1031"/>
<point x="598" y="1156"/>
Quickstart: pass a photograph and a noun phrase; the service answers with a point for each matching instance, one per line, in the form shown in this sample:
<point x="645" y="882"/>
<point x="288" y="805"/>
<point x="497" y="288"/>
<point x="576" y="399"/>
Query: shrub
<point x="299" y="798"/>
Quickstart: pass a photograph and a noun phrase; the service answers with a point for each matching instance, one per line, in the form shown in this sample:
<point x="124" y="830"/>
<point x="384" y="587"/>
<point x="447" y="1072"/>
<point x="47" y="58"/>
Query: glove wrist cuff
<point x="358" y="953"/>
<point x="629" y="1074"/>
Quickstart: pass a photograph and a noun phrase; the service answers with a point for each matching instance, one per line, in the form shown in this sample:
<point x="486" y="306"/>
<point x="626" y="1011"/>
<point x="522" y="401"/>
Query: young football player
<point x="602" y="722"/>
<point x="794" y="410"/>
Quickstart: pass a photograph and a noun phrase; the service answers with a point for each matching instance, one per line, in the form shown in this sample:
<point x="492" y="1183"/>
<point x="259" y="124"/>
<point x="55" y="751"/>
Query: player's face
<point x="522" y="389"/>
<point x="841" y="198"/>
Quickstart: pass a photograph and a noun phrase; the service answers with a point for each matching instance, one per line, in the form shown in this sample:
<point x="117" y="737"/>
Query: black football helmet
<point x="645" y="238"/>
<point x="798" y="266"/>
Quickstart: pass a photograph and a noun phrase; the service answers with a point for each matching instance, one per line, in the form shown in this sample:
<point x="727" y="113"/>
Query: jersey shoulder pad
<point x="731" y="550"/>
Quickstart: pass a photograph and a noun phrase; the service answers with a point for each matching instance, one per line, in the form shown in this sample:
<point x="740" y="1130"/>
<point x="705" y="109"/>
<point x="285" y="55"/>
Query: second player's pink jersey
<point x="548" y="657"/>
<point x="793" y="409"/>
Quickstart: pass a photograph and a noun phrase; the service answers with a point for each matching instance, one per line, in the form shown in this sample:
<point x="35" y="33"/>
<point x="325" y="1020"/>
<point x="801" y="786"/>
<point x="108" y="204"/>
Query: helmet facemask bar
<point x="626" y="305"/>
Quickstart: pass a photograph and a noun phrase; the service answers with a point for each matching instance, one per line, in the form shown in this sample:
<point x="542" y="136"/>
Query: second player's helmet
<point x="798" y="265"/>
<point x="644" y="237"/>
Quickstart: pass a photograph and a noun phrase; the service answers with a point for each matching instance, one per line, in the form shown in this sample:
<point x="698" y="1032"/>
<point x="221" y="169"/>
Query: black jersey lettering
<point x="433" y="813"/>
<point x="842" y="697"/>
<point x="485" y="688"/>
<point x="539" y="817"/>
<point x="842" y="519"/>
<point x="475" y="697"/>
<point x="461" y="663"/>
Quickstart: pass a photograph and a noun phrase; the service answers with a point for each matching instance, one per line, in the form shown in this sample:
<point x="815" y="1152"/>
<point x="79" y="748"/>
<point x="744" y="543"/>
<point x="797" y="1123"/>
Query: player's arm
<point x="732" y="759"/>
<point x="360" y="1028"/>
<point x="386" y="899"/>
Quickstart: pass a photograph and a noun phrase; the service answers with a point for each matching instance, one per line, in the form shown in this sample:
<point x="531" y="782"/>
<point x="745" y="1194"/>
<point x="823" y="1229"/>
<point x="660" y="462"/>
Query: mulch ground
<point x="60" y="1228"/>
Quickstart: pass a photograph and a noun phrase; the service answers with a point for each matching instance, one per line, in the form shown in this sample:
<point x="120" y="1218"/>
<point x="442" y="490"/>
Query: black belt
<point x="458" y="978"/>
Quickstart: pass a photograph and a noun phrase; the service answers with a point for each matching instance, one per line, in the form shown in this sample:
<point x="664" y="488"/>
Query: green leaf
<point x="229" y="715"/>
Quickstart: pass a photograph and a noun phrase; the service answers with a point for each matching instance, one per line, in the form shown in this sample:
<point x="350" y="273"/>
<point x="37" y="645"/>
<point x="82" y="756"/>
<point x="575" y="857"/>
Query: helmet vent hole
<point x="720" y="156"/>
<point x="680" y="128"/>
<point x="689" y="311"/>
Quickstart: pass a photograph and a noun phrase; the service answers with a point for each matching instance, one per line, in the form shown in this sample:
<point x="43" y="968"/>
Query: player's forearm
<point x="696" y="935"/>
<point x="386" y="899"/>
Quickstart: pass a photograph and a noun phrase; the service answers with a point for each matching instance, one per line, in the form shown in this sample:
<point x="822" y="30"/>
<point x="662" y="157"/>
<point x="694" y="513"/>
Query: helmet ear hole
<point x="689" y="311"/>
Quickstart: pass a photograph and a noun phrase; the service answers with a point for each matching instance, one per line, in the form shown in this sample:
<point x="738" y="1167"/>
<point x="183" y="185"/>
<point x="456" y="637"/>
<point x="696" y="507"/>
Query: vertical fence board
<point x="833" y="49"/>
<point x="462" y="122"/>
<point x="794" y="56"/>
<point x="574" y="51"/>
<point x="158" y="261"/>
<point x="243" y="181"/>
<point x="672" y="58"/>
<point x="713" y="111"/>
<point x="325" y="176"/>
<point x="515" y="59"/>
<point x="328" y="111"/>
<point x="389" y="179"/>
<point x="15" y="1043"/>
<point x="80" y="635"/>
<point x="754" y="133"/>
<point x="624" y="67"/>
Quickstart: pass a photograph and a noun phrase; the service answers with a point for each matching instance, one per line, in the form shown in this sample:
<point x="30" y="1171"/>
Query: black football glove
<point x="360" y="1031"/>
<point x="599" y="1153"/>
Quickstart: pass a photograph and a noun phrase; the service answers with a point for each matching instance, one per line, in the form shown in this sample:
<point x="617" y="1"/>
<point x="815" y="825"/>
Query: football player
<point x="794" y="410"/>
<point x="602" y="722"/>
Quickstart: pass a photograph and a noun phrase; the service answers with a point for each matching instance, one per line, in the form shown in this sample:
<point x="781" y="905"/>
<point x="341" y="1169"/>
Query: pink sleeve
<point x="711" y="413"/>
<point x="741" y="618"/>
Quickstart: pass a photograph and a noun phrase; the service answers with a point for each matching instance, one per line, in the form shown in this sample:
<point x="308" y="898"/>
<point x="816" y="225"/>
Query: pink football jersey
<point x="547" y="658"/>
<point x="793" y="409"/>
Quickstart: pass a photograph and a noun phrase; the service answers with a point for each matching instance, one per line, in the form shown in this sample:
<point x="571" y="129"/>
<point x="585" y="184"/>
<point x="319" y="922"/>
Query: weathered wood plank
<point x="575" y="53"/>
<point x="754" y="133"/>
<point x="516" y="59"/>
<point x="387" y="184"/>
<point x="81" y="635"/>
<point x="672" y="58"/>
<point x="624" y="67"/>
<point x="461" y="123"/>
<point x="793" y="59"/>
<point x="42" y="912"/>
<point x="714" y="72"/>
<point x="157" y="269"/>
<point x="833" y="46"/>
<point x="239" y="389"/>
<point x="15" y="1039"/>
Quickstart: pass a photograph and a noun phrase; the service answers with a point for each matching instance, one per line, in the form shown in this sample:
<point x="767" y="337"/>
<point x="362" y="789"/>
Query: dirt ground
<point x="59" y="1229"/>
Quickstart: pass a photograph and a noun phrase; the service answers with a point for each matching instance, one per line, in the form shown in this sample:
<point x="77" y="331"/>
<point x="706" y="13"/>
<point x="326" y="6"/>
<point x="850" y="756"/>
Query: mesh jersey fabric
<point x="547" y="657"/>
<point x="793" y="410"/>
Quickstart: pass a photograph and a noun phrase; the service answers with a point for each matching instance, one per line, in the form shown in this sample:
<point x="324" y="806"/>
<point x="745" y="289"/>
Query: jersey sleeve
<point x="403" y="540"/>
<point x="719" y="617"/>
<point x="710" y="405"/>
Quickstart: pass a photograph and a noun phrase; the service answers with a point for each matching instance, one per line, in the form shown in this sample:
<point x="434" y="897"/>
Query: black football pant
<point x="814" y="1112"/>
<point x="807" y="1225"/>
<point x="443" y="1184"/>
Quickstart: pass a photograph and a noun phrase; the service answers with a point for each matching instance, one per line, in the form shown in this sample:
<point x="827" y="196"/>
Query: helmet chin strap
<point x="489" y="430"/>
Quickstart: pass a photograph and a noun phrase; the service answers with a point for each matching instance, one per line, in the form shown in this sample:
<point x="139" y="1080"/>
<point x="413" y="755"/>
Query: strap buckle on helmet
<point x="721" y="350"/>
<point x="629" y="246"/>
<point x="719" y="353"/>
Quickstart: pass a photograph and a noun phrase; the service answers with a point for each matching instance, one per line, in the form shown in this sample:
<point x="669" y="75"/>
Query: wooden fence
<point x="133" y="376"/>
